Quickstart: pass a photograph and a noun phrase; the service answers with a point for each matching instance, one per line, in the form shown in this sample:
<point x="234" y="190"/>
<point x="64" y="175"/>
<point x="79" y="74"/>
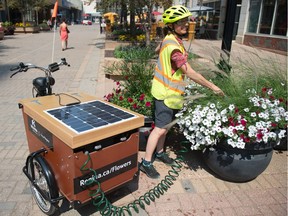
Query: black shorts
<point x="163" y="114"/>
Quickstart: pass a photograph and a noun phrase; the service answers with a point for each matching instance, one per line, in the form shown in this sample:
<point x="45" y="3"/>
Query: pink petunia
<point x="259" y="136"/>
<point x="246" y="139"/>
<point x="272" y="97"/>
<point x="142" y="96"/>
<point x="243" y="122"/>
<point x="148" y="104"/>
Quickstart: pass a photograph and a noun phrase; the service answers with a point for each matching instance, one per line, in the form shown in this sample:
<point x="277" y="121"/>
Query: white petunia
<point x="212" y="106"/>
<point x="253" y="114"/>
<point x="246" y="109"/>
<point x="231" y="107"/>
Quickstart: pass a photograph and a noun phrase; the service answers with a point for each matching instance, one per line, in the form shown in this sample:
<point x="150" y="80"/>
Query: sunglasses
<point x="182" y="22"/>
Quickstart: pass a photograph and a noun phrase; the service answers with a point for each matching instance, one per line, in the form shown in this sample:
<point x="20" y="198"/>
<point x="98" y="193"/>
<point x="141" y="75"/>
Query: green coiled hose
<point x="105" y="207"/>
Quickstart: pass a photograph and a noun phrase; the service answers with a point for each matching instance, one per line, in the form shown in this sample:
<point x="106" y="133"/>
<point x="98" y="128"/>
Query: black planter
<point x="9" y="31"/>
<point x="144" y="133"/>
<point x="238" y="165"/>
<point x="281" y="145"/>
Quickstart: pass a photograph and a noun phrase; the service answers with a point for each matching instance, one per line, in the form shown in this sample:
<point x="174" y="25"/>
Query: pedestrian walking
<point x="49" y="23"/>
<point x="64" y="31"/>
<point x="168" y="85"/>
<point x="102" y="26"/>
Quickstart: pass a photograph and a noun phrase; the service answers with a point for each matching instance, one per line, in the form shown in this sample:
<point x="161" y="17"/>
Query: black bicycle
<point x="41" y="85"/>
<point x="42" y="181"/>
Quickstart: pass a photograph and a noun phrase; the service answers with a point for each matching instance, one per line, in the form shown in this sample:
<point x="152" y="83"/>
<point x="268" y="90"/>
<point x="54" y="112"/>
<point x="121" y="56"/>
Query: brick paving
<point x="196" y="192"/>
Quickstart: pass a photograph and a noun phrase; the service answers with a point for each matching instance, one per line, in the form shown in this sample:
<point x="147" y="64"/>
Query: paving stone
<point x="7" y="205"/>
<point x="187" y="185"/>
<point x="245" y="210"/>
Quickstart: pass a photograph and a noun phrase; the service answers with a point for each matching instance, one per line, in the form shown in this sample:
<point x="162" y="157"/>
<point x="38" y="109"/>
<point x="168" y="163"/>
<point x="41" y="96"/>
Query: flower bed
<point x="254" y="110"/>
<point x="134" y="70"/>
<point x="29" y="29"/>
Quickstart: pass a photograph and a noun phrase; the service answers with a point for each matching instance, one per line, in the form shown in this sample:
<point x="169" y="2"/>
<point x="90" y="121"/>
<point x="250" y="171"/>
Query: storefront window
<point x="254" y="15"/>
<point x="280" y="27"/>
<point x="273" y="20"/>
<point x="267" y="16"/>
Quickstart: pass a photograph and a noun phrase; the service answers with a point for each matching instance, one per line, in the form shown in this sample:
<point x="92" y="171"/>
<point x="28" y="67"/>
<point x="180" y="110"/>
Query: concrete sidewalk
<point x="196" y="192"/>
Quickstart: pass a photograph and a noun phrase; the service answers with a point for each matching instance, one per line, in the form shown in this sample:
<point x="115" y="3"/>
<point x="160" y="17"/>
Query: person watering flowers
<point x="168" y="85"/>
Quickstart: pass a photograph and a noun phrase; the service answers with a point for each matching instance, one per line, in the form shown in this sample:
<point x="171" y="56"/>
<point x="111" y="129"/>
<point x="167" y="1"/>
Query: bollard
<point x="191" y="30"/>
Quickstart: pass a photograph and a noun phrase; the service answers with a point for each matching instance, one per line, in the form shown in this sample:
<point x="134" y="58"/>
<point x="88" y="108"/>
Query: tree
<point x="135" y="7"/>
<point x="24" y="5"/>
<point x="38" y="5"/>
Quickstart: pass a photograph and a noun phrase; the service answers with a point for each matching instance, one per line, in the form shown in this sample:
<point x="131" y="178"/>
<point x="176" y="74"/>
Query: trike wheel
<point x="46" y="182"/>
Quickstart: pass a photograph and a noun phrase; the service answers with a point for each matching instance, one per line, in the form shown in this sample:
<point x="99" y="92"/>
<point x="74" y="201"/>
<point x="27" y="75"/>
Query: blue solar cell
<point x="90" y="115"/>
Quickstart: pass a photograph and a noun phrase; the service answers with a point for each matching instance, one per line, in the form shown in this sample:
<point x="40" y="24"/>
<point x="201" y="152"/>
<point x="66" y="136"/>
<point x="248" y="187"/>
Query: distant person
<point x="102" y="26"/>
<point x="49" y="23"/>
<point x="63" y="30"/>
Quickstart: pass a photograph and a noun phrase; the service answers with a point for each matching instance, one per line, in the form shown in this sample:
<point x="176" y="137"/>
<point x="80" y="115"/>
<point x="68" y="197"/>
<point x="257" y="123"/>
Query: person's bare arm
<point x="198" y="78"/>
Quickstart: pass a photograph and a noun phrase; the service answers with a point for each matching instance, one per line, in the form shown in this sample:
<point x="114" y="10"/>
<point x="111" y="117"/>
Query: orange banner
<point x="54" y="15"/>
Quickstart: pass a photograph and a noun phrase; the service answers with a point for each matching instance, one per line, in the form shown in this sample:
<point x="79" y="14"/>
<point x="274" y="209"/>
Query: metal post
<point x="229" y="26"/>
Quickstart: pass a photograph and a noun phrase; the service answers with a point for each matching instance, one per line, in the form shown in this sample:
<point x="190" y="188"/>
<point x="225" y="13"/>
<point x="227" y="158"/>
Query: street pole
<point x="229" y="26"/>
<point x="228" y="36"/>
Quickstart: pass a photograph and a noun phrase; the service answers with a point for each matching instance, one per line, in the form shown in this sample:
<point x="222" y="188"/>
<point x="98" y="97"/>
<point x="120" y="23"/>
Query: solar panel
<point x="89" y="115"/>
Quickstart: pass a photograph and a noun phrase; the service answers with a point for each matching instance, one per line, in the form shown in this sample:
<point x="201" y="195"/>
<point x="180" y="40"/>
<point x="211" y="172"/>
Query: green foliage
<point x="192" y="56"/>
<point x="235" y="82"/>
<point x="235" y="89"/>
<point x="43" y="25"/>
<point x="7" y="24"/>
<point x="135" y="53"/>
<point x="120" y="32"/>
<point x="134" y="91"/>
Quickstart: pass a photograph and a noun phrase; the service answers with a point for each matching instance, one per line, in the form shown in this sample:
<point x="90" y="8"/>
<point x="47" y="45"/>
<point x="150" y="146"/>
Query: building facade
<point x="263" y="23"/>
<point x="258" y="23"/>
<point x="70" y="9"/>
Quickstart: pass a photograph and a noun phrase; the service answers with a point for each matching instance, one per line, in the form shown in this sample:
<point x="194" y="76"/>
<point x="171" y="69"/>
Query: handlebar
<point x="23" y="67"/>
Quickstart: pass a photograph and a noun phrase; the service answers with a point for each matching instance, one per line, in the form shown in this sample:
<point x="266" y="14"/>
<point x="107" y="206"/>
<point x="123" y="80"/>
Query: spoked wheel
<point x="47" y="184"/>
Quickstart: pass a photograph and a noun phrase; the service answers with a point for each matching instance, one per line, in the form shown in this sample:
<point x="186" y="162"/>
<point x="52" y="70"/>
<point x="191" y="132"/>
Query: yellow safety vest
<point x="166" y="86"/>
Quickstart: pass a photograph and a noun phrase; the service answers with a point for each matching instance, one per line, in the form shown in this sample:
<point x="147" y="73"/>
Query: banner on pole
<point x="54" y="14"/>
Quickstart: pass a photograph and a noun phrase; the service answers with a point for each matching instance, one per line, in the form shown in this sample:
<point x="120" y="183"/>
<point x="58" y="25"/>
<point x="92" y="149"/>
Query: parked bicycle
<point x="42" y="181"/>
<point x="41" y="85"/>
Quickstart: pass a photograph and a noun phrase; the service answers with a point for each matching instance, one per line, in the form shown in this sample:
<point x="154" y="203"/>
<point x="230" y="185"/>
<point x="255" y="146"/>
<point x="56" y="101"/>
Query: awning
<point x="201" y="8"/>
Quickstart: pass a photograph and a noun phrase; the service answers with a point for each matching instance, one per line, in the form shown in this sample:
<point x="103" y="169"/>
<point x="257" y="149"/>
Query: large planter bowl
<point x="237" y="165"/>
<point x="9" y="31"/>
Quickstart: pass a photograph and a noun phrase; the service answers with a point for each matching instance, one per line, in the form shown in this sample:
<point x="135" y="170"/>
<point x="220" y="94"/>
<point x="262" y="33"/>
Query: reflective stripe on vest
<point x="166" y="86"/>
